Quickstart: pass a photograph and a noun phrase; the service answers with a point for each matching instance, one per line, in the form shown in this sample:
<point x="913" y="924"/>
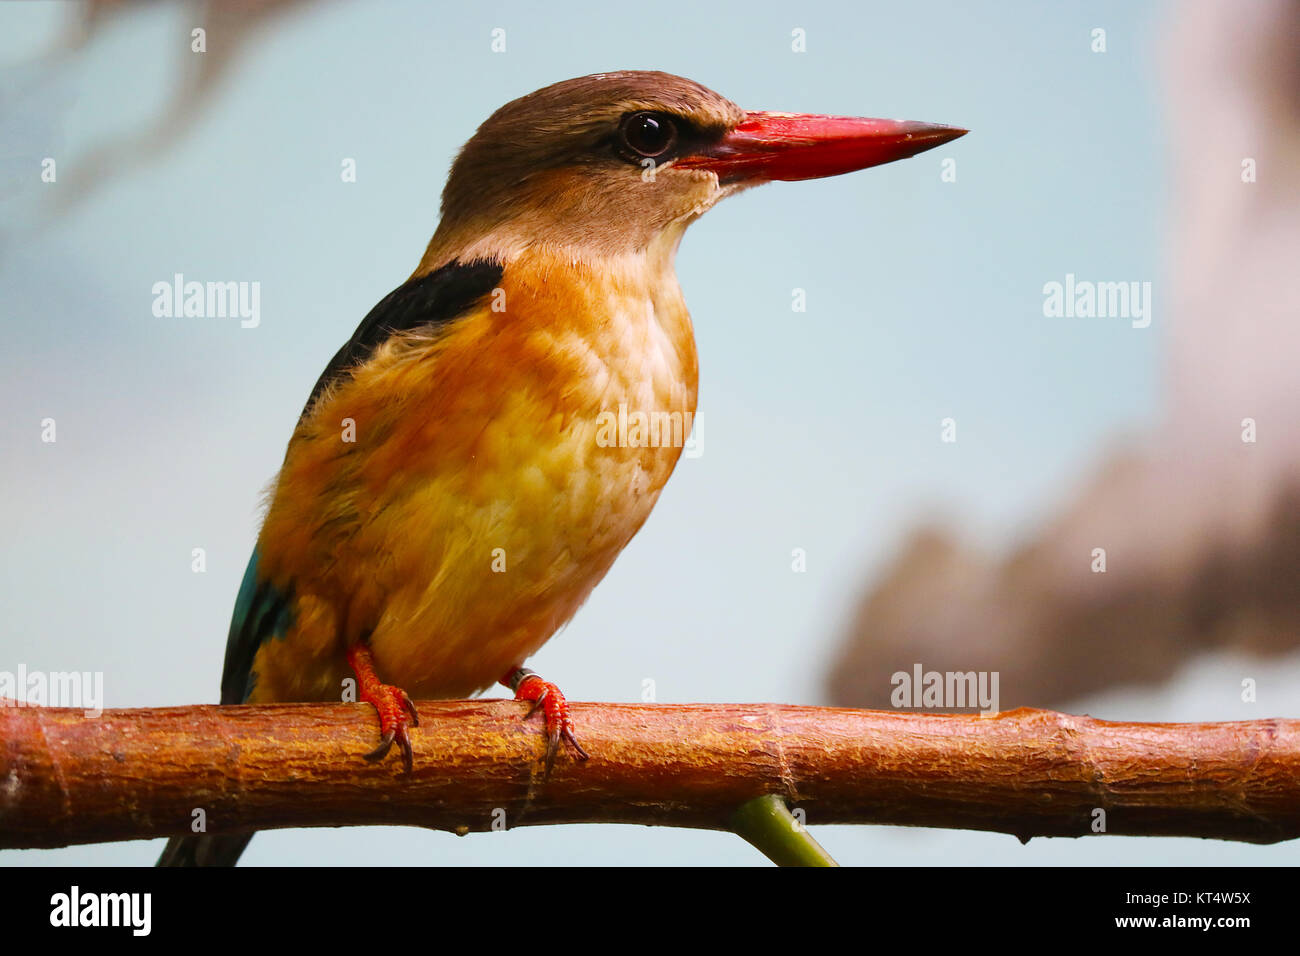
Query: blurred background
<point x="827" y="535"/>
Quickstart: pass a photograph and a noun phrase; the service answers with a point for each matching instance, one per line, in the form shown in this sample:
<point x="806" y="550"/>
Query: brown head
<point x="609" y="163"/>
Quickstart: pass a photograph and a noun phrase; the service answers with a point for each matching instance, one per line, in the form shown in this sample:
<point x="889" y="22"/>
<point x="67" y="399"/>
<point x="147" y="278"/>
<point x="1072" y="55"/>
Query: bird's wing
<point x="262" y="609"/>
<point x="430" y="300"/>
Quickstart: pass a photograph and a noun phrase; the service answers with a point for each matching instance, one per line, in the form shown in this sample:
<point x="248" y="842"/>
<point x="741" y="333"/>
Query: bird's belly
<point x="501" y="551"/>
<point x="514" y="550"/>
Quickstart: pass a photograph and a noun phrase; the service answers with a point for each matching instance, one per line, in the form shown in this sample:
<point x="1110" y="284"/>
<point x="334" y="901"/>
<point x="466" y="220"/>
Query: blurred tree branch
<point x="131" y="774"/>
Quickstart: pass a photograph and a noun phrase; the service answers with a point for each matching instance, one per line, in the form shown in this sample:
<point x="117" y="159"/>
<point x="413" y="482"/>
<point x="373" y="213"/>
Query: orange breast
<point x="494" y="475"/>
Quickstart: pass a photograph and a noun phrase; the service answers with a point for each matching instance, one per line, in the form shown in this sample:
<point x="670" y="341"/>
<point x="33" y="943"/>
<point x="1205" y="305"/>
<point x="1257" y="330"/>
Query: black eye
<point x="648" y="134"/>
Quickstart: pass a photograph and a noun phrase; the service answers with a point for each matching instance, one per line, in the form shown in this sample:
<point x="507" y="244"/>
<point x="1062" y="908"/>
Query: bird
<point x="448" y="499"/>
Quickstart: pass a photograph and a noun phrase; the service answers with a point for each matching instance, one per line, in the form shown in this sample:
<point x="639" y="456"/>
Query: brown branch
<point x="132" y="774"/>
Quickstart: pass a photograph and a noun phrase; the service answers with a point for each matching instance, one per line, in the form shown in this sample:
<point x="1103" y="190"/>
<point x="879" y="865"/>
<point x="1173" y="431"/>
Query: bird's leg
<point x="396" y="712"/>
<point x="546" y="696"/>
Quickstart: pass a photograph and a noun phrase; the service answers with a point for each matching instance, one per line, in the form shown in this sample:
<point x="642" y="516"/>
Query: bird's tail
<point x="204" y="850"/>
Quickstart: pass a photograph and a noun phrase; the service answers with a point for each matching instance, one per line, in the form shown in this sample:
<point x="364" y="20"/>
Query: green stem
<point x="766" y="822"/>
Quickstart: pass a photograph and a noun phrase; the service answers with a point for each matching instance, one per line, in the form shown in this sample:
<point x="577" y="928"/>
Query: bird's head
<point x="611" y="163"/>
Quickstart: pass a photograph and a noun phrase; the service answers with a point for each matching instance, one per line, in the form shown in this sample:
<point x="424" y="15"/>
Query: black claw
<point x="573" y="742"/>
<point x="385" y="744"/>
<point x="552" y="747"/>
<point x="410" y="707"/>
<point x="404" y="743"/>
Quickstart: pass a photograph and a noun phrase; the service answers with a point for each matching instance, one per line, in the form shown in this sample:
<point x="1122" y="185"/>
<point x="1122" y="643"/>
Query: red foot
<point x="545" y="695"/>
<point x="396" y="712"/>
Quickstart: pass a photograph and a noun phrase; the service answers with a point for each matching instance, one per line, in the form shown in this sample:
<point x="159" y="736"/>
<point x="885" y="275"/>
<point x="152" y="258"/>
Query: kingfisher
<point x="450" y="495"/>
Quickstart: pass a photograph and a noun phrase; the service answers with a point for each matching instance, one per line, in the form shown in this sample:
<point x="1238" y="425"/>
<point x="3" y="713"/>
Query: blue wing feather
<point x="262" y="611"/>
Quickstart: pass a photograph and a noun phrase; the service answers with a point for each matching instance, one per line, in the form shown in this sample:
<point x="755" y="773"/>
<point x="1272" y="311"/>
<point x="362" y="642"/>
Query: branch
<point x="135" y="774"/>
<point x="768" y="824"/>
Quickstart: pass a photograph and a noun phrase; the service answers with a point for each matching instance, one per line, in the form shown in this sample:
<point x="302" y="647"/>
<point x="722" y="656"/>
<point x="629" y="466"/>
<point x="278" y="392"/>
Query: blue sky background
<point x="820" y="429"/>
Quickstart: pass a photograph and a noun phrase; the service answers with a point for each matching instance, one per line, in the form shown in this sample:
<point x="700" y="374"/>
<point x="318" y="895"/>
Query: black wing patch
<point x="430" y="300"/>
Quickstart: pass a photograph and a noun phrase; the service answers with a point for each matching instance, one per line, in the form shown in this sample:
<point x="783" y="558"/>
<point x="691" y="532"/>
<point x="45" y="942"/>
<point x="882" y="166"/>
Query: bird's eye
<point x="648" y="134"/>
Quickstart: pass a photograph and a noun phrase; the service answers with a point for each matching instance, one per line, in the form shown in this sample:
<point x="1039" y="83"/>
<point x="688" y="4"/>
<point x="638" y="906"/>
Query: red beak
<point x="792" y="146"/>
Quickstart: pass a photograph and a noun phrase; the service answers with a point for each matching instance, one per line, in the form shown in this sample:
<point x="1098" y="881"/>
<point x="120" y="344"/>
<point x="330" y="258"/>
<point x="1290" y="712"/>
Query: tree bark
<point x="131" y="774"/>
